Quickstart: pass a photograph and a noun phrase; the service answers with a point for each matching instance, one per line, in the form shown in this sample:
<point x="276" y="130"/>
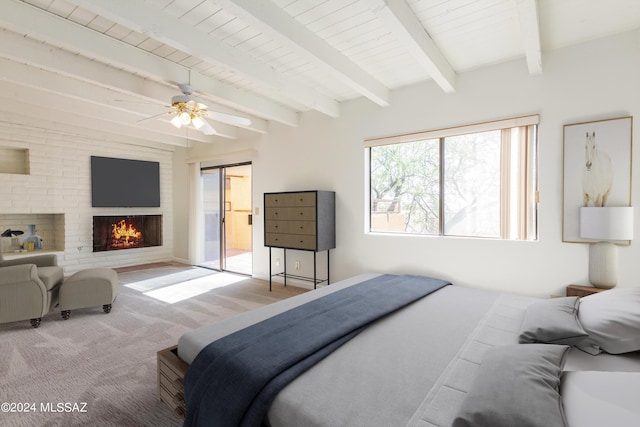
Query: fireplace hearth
<point x="112" y="233"/>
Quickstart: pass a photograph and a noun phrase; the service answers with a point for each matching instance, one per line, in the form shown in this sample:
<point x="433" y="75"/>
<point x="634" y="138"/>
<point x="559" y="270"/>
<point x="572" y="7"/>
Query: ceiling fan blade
<point x="229" y="118"/>
<point x="206" y="128"/>
<point x="135" y="102"/>
<point x="153" y="117"/>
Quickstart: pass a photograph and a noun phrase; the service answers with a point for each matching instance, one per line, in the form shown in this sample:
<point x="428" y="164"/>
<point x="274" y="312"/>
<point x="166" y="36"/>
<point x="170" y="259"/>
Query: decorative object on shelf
<point x="301" y="220"/>
<point x="33" y="241"/>
<point x="12" y="233"/>
<point x="606" y="224"/>
<point x="597" y="170"/>
<point x="14" y="244"/>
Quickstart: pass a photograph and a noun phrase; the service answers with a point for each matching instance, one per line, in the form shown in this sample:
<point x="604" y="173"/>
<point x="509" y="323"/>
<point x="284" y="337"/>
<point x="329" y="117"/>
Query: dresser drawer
<point x="291" y="241"/>
<point x="290" y="199"/>
<point x="303" y="199"/>
<point x="291" y="227"/>
<point x="291" y="214"/>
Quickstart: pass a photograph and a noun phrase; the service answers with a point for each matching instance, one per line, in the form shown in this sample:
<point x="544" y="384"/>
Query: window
<point x="478" y="180"/>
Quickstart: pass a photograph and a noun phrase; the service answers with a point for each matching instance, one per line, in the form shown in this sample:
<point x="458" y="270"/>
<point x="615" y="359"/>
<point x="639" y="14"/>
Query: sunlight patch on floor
<point x="191" y="288"/>
<point x="164" y="280"/>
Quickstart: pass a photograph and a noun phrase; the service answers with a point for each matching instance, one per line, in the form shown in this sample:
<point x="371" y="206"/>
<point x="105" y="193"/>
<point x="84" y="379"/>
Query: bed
<point x="435" y="361"/>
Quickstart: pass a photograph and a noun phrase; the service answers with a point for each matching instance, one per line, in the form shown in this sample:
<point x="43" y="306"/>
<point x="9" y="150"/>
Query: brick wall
<point x="56" y="195"/>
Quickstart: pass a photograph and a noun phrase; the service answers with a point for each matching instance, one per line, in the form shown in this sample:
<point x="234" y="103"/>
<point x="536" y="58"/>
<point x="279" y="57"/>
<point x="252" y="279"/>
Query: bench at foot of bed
<point x="171" y="372"/>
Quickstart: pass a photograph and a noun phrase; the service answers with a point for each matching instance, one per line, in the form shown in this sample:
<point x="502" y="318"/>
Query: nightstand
<point x="582" y="291"/>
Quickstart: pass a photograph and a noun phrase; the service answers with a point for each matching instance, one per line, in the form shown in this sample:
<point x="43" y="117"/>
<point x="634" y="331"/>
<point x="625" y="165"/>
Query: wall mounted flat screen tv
<point x="122" y="183"/>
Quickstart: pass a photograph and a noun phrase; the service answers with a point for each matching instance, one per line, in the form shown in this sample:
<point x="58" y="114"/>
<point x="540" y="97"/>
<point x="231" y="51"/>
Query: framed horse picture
<point x="597" y="170"/>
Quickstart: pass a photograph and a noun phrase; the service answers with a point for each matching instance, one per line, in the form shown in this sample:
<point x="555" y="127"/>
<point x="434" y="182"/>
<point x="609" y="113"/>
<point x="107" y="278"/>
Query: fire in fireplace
<point x="126" y="232"/>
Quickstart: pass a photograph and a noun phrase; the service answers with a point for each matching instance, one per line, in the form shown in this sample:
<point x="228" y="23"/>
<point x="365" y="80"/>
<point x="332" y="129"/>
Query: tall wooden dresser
<point x="300" y="220"/>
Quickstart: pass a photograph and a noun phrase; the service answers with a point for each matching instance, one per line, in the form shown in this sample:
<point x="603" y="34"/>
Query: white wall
<point x="180" y="203"/>
<point x="60" y="183"/>
<point x="593" y="81"/>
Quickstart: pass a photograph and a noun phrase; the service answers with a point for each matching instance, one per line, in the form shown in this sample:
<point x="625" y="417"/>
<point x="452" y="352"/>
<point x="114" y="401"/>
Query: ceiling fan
<point x="189" y="110"/>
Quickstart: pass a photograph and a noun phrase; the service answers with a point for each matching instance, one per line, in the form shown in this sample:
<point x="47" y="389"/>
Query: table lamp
<point x="605" y="224"/>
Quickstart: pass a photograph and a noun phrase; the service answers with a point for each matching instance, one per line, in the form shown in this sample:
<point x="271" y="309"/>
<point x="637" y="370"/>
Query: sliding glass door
<point x="211" y="200"/>
<point x="226" y="204"/>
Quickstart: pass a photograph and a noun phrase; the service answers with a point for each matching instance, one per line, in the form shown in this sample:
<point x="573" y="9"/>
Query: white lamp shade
<point x="184" y="118"/>
<point x="606" y="223"/>
<point x="197" y="122"/>
<point x="176" y="122"/>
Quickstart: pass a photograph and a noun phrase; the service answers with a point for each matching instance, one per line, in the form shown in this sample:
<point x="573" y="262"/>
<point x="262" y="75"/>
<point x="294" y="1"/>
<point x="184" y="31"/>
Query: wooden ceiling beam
<point x="103" y="102"/>
<point x="120" y="83"/>
<point x="30" y="107"/>
<point x="407" y="28"/>
<point x="270" y="19"/>
<point x="527" y="11"/>
<point x="144" y="18"/>
<point x="27" y="20"/>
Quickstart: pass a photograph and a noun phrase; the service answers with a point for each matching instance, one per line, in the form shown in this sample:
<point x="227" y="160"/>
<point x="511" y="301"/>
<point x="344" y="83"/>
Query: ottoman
<point x="88" y="288"/>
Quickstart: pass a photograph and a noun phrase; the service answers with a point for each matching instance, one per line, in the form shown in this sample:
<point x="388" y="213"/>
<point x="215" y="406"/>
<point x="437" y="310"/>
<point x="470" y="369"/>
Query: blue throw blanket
<point x="233" y="380"/>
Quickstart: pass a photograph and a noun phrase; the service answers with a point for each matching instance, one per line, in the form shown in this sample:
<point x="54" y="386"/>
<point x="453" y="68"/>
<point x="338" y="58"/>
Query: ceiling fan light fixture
<point x="176" y="122"/>
<point x="188" y="110"/>
<point x="197" y="122"/>
<point x="184" y="118"/>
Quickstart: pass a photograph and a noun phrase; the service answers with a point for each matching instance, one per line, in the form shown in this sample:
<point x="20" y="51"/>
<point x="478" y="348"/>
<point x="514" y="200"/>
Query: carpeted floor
<point x="98" y="369"/>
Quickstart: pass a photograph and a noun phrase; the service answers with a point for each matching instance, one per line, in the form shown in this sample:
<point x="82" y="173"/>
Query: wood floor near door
<point x="150" y="266"/>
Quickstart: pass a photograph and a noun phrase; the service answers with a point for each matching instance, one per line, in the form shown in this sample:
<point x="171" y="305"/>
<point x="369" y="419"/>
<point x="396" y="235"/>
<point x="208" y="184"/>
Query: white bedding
<point x="190" y="344"/>
<point x="578" y="360"/>
<point x="412" y="369"/>
<point x="592" y="398"/>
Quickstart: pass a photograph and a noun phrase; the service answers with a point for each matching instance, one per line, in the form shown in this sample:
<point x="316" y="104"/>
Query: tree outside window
<point x="480" y="184"/>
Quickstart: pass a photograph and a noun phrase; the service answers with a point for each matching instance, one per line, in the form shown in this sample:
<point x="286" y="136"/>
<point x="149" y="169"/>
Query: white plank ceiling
<point x="105" y="65"/>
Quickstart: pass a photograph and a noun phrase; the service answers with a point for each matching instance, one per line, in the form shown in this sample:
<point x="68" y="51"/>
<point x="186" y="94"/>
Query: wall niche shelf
<point x="50" y="227"/>
<point x="14" y="160"/>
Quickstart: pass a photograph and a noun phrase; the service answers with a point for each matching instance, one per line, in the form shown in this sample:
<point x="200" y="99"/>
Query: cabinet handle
<point x="301" y="227"/>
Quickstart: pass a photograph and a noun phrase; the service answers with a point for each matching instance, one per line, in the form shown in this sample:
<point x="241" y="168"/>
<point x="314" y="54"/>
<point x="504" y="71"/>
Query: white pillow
<point x="600" y="398"/>
<point x="612" y="320"/>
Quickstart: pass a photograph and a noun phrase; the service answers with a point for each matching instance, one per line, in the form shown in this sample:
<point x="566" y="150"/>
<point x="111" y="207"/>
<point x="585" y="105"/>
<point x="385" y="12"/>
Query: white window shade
<point x="533" y="119"/>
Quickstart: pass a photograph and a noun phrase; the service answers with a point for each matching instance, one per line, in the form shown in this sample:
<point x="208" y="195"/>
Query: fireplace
<point x="112" y="233"/>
